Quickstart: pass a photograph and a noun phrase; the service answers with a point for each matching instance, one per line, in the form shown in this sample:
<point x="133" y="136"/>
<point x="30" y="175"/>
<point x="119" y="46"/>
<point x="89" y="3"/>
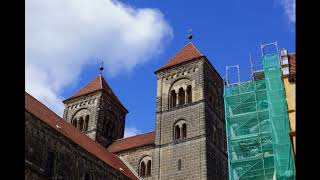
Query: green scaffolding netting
<point x="284" y="162"/>
<point x="258" y="127"/>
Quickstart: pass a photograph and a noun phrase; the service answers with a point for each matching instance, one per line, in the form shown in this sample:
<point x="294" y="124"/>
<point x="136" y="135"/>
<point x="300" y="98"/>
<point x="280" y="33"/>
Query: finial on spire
<point x="101" y="67"/>
<point x="190" y="34"/>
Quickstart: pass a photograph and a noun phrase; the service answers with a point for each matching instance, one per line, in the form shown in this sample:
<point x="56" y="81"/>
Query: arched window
<point x="181" y="96"/>
<point x="179" y="164"/>
<point x="173" y="99"/>
<point x="149" y="168"/>
<point x="86" y="123"/>
<point x="184" y="130"/>
<point x="189" y="94"/>
<point x="145" y="166"/>
<point x="74" y="123"/>
<point x="142" y="169"/>
<point x="81" y="123"/>
<point x="177" y="132"/>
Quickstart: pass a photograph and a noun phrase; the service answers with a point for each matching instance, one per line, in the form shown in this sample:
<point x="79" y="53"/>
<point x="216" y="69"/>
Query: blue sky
<point x="225" y="31"/>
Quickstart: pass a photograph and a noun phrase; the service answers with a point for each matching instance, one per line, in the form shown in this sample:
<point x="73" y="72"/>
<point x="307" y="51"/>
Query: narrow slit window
<point x="179" y="164"/>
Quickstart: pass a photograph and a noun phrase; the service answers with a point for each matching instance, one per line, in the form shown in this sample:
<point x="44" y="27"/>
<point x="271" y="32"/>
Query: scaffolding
<point x="257" y="145"/>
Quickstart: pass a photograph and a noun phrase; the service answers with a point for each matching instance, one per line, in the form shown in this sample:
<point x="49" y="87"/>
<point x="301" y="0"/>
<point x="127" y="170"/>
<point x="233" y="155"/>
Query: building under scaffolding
<point x="257" y="124"/>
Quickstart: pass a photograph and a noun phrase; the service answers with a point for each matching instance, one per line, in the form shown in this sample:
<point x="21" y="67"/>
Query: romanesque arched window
<point x="181" y="96"/>
<point x="81" y="123"/>
<point x="189" y="94"/>
<point x="173" y="99"/>
<point x="145" y="166"/>
<point x="179" y="164"/>
<point x="180" y="129"/>
<point x="177" y="132"/>
<point x="79" y="120"/>
<point x="178" y="92"/>
<point x="184" y="130"/>
<point x="142" y="169"/>
<point x="148" y="168"/>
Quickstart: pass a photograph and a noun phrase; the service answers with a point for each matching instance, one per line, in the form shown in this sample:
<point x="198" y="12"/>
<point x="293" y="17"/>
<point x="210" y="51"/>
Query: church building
<point x="189" y="141"/>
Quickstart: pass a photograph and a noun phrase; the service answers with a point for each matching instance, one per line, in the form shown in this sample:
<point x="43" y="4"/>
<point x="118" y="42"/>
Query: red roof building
<point x="47" y="116"/>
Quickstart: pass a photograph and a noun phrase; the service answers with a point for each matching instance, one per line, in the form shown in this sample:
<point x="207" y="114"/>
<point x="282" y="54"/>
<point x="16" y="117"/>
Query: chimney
<point x="284" y="62"/>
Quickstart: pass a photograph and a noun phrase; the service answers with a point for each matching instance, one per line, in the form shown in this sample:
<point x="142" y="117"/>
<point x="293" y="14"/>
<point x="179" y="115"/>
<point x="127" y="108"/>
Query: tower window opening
<point x="86" y="123"/>
<point x="142" y="169"/>
<point x="181" y="96"/>
<point x="173" y="99"/>
<point x="74" y="123"/>
<point x="177" y="132"/>
<point x="81" y="124"/>
<point x="184" y="130"/>
<point x="189" y="94"/>
<point x="149" y="168"/>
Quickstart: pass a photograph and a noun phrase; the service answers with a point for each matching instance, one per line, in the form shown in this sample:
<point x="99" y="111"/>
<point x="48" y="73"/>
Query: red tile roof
<point x="42" y="112"/>
<point x="97" y="84"/>
<point x="292" y="66"/>
<point x="132" y="142"/>
<point x="187" y="53"/>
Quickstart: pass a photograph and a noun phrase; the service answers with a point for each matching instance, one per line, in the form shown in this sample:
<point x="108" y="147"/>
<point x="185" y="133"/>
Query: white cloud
<point x="131" y="131"/>
<point x="63" y="35"/>
<point x="289" y="9"/>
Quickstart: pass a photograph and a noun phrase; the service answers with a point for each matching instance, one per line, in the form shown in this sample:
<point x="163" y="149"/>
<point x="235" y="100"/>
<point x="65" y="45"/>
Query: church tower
<point x="190" y="128"/>
<point x="96" y="111"/>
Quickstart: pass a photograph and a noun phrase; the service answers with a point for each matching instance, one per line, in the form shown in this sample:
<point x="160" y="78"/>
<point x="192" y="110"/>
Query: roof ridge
<point x="100" y="81"/>
<point x="136" y="135"/>
<point x="195" y="47"/>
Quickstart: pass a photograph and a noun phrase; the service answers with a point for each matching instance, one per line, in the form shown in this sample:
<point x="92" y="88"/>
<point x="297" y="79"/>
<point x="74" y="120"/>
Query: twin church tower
<point x="189" y="141"/>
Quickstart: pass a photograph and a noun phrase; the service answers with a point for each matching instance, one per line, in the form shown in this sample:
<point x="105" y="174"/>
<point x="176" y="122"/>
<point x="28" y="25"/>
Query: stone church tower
<point x="96" y="111"/>
<point x="190" y="140"/>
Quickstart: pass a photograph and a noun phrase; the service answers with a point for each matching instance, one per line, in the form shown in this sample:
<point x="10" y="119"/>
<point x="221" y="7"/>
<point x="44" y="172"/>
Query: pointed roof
<point x="187" y="53"/>
<point x="99" y="83"/>
<point x="44" y="114"/>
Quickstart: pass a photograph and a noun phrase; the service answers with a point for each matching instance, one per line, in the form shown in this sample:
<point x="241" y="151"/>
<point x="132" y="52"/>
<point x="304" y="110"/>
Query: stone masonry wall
<point x="90" y="103"/>
<point x="69" y="160"/>
<point x="134" y="156"/>
<point x="190" y="151"/>
<point x="106" y="116"/>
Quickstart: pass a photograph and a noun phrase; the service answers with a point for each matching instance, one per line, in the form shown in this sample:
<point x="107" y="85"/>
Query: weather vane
<point x="101" y="67"/>
<point x="190" y="34"/>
